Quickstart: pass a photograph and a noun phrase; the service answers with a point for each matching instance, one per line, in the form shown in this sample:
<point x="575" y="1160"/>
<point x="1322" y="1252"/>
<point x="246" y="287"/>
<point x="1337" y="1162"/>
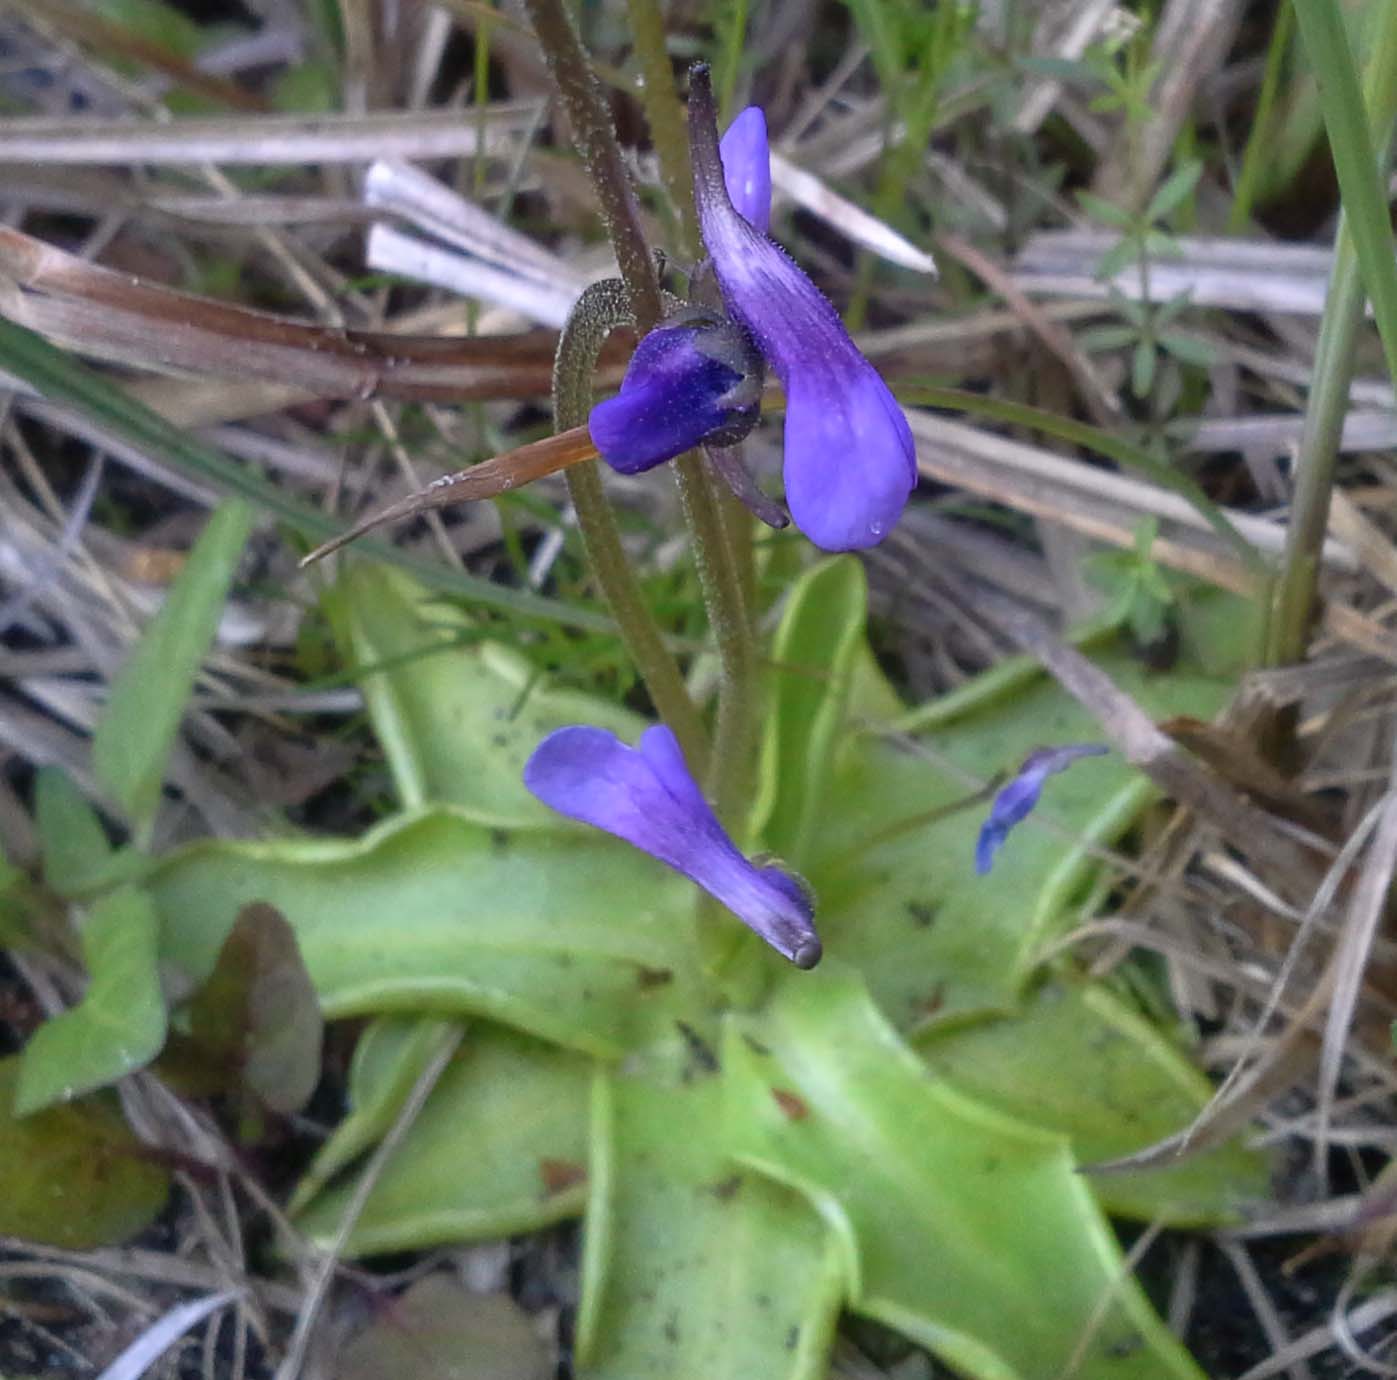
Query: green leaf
<point x="456" y="715"/>
<point x="813" y="656"/>
<point x="1125" y="253"/>
<point x="1174" y="191"/>
<point x="138" y="727"/>
<point x="500" y="1147"/>
<point x="571" y="935"/>
<point x="74" y="843"/>
<point x="257" y="1018"/>
<point x="965" y="1230"/>
<point x="389" y="1057"/>
<point x="1076" y="1059"/>
<point x="1142" y="368"/>
<point x="1351" y="115"/>
<point x="1099" y="338"/>
<point x="691" y="1266"/>
<point x="74" y="1176"/>
<point x="894" y="873"/>
<point x="120" y="1023"/>
<point x="1107" y="212"/>
<point x="439" y="1330"/>
<point x="1189" y="348"/>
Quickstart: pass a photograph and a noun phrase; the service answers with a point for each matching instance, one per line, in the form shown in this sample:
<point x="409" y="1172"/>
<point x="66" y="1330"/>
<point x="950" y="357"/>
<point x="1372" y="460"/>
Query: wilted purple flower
<point x="695" y="377"/>
<point x="645" y="795"/>
<point x="850" y="461"/>
<point x="1015" y="801"/>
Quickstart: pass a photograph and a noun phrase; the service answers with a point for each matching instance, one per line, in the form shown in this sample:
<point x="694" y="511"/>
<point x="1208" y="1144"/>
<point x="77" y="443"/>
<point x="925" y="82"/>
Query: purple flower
<point x="1015" y="801"/>
<point x="850" y="462"/>
<point x="695" y="377"/>
<point x="746" y="163"/>
<point x="646" y="796"/>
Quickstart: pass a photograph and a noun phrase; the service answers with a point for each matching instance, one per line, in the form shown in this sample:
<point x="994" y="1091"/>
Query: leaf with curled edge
<point x="966" y="1230"/>
<point x="500" y="1146"/>
<point x="569" y="935"/>
<point x="456" y="713"/>
<point x="693" y="1266"/>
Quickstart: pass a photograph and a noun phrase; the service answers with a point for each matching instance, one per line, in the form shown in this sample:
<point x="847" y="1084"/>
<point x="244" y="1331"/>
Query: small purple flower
<point x="1015" y="801"/>
<point x="645" y="795"/>
<point x="850" y="462"/>
<point x="695" y="377"/>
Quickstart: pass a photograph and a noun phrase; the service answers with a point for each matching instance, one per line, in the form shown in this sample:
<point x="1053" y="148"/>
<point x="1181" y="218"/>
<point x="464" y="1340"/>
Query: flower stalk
<point x="722" y="589"/>
<point x="601" y="308"/>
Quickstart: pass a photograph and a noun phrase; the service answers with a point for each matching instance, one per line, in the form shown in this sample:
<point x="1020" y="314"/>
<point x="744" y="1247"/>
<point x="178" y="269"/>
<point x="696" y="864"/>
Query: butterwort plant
<point x="757" y="1148"/>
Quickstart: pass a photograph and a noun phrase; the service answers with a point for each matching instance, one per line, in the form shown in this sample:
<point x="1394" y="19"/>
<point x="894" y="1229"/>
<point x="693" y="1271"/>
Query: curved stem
<point x="600" y="308"/>
<point x="601" y="155"/>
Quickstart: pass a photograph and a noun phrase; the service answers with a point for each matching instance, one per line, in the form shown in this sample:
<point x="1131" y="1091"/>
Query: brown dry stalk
<point x="493" y="477"/>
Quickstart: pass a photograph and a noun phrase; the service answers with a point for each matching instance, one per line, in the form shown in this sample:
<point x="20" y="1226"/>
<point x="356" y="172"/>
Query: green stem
<point x="714" y="550"/>
<point x="1317" y="456"/>
<point x="601" y="156"/>
<point x="1258" y="144"/>
<point x="719" y="577"/>
<point x="665" y="116"/>
<point x="601" y="308"/>
<point x="1357" y="242"/>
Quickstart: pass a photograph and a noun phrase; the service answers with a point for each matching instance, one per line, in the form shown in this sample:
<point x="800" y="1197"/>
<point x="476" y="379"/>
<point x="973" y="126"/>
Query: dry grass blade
<point x="1352" y="957"/>
<point x="290" y="1367"/>
<point x="807" y="190"/>
<point x="1245" y="275"/>
<point x="493" y="477"/>
<point x="1093" y="500"/>
<point x="161" y="1335"/>
<point x="1367" y="1315"/>
<point x="98" y="311"/>
<point x="266" y="141"/>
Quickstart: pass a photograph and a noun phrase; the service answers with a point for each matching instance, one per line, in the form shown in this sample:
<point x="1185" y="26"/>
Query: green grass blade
<point x="138" y="727"/>
<point x="1356" y="162"/>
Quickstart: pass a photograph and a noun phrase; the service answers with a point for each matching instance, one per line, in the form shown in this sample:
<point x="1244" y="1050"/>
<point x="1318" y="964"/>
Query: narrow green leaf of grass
<point x="1361" y="174"/>
<point x="138" y="727"/>
<point x="65" y="380"/>
<point x="1093" y="438"/>
<point x="1259" y="146"/>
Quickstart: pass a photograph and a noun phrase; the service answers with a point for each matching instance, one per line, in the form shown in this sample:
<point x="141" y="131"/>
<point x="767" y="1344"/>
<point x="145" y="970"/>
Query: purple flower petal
<point x="646" y="796"/>
<point x="747" y="167"/>
<point x="694" y="377"/>
<point x="1014" y="802"/>
<point x="850" y="462"/>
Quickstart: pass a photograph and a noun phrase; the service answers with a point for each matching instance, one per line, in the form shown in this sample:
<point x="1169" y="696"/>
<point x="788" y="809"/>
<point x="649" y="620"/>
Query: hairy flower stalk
<point x="647" y="796"/>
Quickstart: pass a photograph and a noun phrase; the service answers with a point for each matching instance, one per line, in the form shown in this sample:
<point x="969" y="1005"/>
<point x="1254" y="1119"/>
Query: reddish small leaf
<point x="257" y="1017"/>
